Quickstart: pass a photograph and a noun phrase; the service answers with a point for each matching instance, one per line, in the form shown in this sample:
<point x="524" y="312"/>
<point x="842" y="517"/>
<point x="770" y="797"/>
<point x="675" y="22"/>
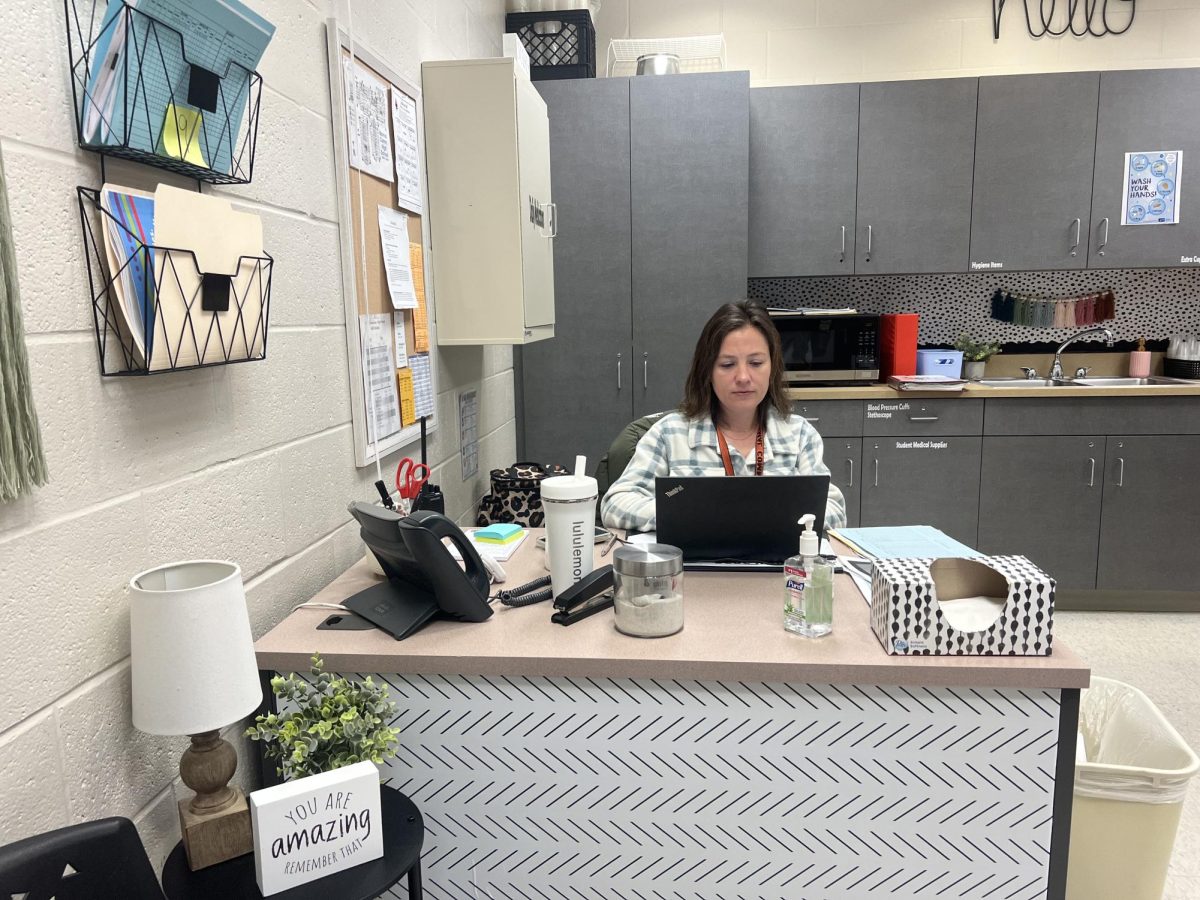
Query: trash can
<point x="1128" y="795"/>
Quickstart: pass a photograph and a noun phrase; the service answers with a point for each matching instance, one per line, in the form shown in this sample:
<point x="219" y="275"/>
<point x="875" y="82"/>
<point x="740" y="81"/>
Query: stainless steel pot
<point x="658" y="64"/>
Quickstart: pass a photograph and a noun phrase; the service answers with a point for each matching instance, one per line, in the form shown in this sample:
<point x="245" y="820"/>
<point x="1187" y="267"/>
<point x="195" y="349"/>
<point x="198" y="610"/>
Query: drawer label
<point x="922" y="445"/>
<point x="885" y="410"/>
<point x="987" y="264"/>
<point x="1189" y="259"/>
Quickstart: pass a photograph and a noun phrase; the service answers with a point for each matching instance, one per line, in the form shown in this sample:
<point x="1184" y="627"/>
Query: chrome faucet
<point x="1056" y="370"/>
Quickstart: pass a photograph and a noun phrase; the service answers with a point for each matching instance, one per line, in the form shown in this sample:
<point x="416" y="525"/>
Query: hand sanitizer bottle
<point x="808" y="587"/>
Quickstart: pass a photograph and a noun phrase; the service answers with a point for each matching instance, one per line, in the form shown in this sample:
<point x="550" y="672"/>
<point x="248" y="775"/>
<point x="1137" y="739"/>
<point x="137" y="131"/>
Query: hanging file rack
<point x="143" y="92"/>
<point x="155" y="308"/>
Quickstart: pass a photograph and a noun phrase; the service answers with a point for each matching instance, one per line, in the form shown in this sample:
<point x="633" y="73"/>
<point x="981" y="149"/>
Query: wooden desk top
<point x="733" y="630"/>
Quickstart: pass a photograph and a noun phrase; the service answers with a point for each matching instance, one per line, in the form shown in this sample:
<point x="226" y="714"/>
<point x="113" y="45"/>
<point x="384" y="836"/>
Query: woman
<point x="735" y="419"/>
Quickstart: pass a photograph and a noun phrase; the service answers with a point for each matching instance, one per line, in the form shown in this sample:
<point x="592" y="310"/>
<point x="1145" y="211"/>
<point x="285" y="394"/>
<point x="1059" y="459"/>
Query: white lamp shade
<point x="192" y="652"/>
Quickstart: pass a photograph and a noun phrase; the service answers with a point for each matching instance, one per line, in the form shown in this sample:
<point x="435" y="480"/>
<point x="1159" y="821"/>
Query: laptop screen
<point x="742" y="517"/>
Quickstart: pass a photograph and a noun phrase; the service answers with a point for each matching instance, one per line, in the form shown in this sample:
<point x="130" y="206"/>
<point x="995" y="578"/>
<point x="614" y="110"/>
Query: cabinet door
<point x="911" y="481"/>
<point x="843" y="459"/>
<point x="1151" y="514"/>
<point x="533" y="161"/>
<point x="1040" y="497"/>
<point x="570" y="398"/>
<point x="1033" y="172"/>
<point x="916" y="155"/>
<point x="1143" y="111"/>
<point x="689" y="139"/>
<point x="803" y="173"/>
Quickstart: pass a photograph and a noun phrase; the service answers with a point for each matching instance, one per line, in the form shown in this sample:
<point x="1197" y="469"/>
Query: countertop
<point x="733" y="630"/>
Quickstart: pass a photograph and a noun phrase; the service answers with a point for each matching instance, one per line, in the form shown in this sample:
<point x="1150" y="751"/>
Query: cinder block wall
<point x="829" y="41"/>
<point x="252" y="463"/>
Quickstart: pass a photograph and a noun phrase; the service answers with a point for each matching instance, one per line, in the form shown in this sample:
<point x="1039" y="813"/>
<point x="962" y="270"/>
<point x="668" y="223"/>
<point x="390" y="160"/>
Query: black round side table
<point x="403" y="835"/>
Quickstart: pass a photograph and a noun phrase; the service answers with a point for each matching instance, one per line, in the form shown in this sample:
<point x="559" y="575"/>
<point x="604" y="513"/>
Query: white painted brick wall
<point x="823" y="41"/>
<point x="252" y="462"/>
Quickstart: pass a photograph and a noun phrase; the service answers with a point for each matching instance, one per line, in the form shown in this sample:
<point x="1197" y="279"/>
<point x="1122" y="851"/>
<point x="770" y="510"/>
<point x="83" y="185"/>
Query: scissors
<point x="410" y="476"/>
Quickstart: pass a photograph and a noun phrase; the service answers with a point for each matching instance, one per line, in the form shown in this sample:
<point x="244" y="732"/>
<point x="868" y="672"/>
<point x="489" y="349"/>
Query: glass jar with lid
<point x="648" y="579"/>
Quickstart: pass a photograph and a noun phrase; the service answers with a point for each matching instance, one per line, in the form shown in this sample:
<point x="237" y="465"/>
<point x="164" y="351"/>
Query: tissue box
<point x="984" y="606"/>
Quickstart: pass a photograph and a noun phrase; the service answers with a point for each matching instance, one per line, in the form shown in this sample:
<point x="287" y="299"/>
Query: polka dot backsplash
<point x="1151" y="303"/>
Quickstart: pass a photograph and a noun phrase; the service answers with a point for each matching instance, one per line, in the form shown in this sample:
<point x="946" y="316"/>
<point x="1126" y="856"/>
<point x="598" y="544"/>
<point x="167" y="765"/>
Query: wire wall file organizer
<point x="143" y="92"/>
<point x="154" y="308"/>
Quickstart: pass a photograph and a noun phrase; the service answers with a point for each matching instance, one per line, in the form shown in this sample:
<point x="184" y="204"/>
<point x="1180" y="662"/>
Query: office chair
<point x="613" y="463"/>
<point x="101" y="860"/>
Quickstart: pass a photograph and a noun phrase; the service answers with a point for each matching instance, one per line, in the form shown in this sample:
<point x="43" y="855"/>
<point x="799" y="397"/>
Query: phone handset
<point x="441" y="527"/>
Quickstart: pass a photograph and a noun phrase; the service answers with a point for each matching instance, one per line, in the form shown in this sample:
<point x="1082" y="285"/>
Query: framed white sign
<point x="315" y="826"/>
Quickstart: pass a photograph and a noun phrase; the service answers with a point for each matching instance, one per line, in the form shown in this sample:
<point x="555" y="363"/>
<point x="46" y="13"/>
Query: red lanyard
<point x="758" y="452"/>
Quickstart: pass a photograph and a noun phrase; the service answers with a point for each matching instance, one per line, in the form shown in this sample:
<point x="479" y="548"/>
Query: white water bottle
<point x="570" y="505"/>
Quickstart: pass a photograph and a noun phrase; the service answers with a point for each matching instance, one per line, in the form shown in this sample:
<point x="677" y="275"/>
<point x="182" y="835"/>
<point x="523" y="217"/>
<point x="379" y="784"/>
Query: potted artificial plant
<point x="975" y="355"/>
<point x="335" y="722"/>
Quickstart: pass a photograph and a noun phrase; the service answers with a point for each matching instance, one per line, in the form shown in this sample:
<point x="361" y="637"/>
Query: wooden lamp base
<point x="215" y="822"/>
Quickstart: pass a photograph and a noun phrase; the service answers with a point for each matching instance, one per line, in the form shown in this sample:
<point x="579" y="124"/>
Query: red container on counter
<point x="897" y="344"/>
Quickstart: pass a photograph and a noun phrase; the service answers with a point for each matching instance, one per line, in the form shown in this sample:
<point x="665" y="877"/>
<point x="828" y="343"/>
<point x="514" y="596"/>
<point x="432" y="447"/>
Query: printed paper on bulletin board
<point x="362" y="195"/>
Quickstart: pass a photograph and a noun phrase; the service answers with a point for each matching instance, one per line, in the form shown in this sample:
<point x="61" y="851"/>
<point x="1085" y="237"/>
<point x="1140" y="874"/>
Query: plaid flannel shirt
<point x="676" y="445"/>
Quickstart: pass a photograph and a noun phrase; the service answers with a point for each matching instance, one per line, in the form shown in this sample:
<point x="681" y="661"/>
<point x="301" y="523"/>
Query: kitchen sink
<point x="1107" y="381"/>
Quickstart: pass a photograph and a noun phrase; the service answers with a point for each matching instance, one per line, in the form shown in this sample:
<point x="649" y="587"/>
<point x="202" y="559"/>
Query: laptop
<point x="740" y="522"/>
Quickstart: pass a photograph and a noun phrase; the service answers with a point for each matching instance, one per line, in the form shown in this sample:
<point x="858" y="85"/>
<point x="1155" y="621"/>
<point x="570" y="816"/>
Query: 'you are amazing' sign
<point x="315" y="826"/>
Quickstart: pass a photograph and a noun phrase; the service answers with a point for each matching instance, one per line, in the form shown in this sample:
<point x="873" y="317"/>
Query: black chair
<point x="101" y="860"/>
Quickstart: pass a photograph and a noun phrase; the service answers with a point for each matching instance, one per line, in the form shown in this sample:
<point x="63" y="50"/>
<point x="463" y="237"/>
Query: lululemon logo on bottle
<point x="577" y="550"/>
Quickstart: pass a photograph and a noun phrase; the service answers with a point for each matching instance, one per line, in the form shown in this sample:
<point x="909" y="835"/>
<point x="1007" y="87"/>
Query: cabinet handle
<point x="618" y="371"/>
<point x="850" y="483"/>
<point x="812" y="418"/>
<point x="552" y="214"/>
<point x="1120" y="472"/>
<point x="1075" y="246"/>
<point x="876" y="471"/>
<point x="842" y="258"/>
<point x="869" y="237"/>
<point x="1104" y="240"/>
<point x="922" y="418"/>
<point x="1092" y="472"/>
<point x="645" y="371"/>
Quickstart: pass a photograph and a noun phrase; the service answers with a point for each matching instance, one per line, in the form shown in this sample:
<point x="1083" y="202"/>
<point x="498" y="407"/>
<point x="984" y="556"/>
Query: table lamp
<point x="194" y="672"/>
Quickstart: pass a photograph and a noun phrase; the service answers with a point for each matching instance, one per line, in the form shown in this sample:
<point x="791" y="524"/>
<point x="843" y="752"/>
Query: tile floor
<point x="1156" y="653"/>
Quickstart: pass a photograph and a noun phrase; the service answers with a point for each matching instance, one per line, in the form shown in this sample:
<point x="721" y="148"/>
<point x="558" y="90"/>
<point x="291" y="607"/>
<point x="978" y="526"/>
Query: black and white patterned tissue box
<point x="994" y="606"/>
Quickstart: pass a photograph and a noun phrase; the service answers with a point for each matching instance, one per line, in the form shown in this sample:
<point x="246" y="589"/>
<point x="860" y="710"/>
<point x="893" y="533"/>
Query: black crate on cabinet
<point x="140" y="95"/>
<point x="153" y="308"/>
<point x="560" y="44"/>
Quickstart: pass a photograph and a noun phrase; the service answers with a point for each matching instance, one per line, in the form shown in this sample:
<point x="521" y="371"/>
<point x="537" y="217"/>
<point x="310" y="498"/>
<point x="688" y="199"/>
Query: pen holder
<point x="155" y="311"/>
<point x="145" y="91"/>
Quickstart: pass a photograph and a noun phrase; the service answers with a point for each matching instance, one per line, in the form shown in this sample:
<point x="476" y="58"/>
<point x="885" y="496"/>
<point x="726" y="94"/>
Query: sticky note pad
<point x="499" y="534"/>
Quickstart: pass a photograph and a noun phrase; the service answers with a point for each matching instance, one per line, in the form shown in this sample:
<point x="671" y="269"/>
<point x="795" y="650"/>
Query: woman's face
<point x="742" y="373"/>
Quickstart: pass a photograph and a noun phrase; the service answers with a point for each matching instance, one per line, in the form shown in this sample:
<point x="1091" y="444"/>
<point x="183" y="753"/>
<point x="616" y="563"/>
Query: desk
<point x="403" y="833"/>
<point x="731" y="759"/>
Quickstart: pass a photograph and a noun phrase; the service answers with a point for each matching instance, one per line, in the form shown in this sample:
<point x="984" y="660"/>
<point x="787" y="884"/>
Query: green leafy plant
<point x="976" y="351"/>
<point x="336" y="722"/>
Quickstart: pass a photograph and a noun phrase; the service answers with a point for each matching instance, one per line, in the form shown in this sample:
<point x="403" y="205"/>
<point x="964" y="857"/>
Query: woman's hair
<point x="698" y="395"/>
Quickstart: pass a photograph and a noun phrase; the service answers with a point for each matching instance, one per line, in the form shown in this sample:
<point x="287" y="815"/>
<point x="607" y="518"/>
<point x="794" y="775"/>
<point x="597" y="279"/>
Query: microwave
<point x="821" y="348"/>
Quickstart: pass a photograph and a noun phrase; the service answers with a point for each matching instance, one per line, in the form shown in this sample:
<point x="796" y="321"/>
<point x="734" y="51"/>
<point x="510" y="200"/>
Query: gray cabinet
<point x="928" y="481"/>
<point x="803" y="177"/>
<point x="1151" y="514"/>
<point x="575" y="391"/>
<point x="1040" y="497"/>
<point x="1143" y="111"/>
<point x="915" y="162"/>
<point x="650" y="178"/>
<point x="1033" y="171"/>
<point x="688" y="184"/>
<point x="843" y="459"/>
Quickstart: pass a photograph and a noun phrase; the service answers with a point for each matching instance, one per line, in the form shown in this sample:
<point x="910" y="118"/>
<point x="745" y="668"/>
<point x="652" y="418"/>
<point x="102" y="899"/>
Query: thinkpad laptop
<point x="737" y="522"/>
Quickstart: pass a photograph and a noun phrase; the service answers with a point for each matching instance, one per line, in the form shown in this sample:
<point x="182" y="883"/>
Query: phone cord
<point x="528" y="599"/>
<point x="542" y="582"/>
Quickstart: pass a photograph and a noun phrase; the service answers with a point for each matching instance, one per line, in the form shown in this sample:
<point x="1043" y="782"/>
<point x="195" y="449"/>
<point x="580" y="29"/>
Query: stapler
<point x="589" y="595"/>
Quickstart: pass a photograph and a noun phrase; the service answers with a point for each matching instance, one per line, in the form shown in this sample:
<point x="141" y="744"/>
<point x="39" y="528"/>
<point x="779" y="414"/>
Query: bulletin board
<point x="377" y="410"/>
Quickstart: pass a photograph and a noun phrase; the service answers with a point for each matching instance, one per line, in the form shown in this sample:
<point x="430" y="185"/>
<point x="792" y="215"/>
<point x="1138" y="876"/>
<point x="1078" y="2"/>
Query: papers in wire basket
<point x="926" y="383"/>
